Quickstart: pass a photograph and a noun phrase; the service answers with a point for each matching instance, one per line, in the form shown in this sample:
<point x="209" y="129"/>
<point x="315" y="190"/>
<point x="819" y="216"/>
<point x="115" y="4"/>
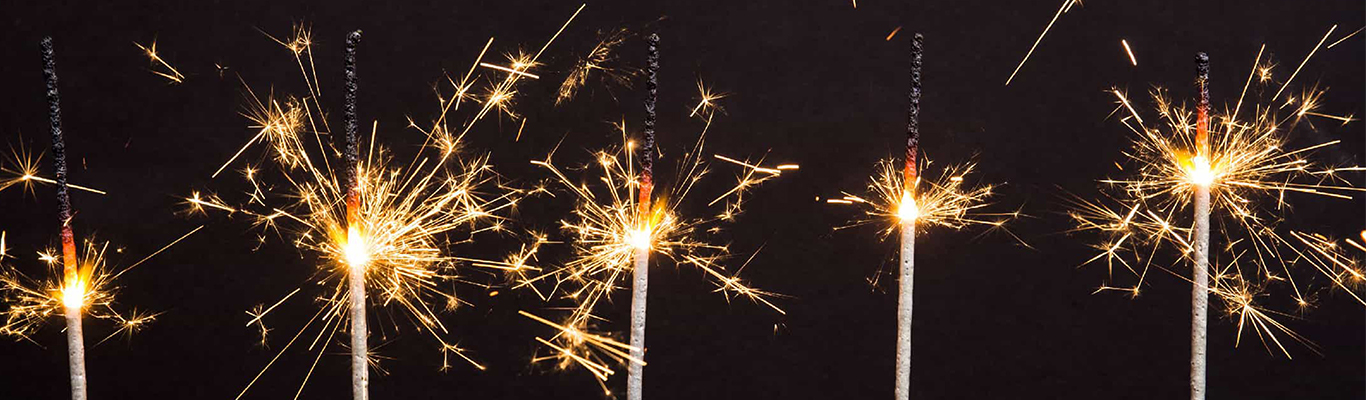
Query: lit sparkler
<point x="618" y="222"/>
<point x="901" y="195"/>
<point x="79" y="284"/>
<point x="379" y="231"/>
<point x="1228" y="166"/>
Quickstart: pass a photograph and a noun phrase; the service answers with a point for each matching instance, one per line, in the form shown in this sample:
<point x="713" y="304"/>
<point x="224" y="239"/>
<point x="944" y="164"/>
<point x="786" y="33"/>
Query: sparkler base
<point x="75" y="352"/>
<point x="635" y="373"/>
<point x="1200" y="294"/>
<point x="903" y="315"/>
<point x="360" y="346"/>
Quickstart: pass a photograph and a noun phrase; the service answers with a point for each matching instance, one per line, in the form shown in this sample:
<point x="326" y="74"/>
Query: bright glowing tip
<point x="73" y="294"/>
<point x="356" y="251"/>
<point x="908" y="210"/>
<point x="639" y="238"/>
<point x="1200" y="172"/>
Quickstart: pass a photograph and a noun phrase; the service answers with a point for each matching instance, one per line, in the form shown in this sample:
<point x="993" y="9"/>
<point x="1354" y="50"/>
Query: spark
<point x="1250" y="168"/>
<point x="602" y="60"/>
<point x="408" y="219"/>
<point x="1306" y="61"/>
<point x="1066" y="5"/>
<point x="1129" y="51"/>
<point x="893" y="34"/>
<point x="1344" y="38"/>
<point x="23" y="168"/>
<point x="516" y="70"/>
<point x="944" y="201"/>
<point x="172" y="74"/>
<point x="609" y="224"/>
<point x="706" y="103"/>
<point x="31" y="300"/>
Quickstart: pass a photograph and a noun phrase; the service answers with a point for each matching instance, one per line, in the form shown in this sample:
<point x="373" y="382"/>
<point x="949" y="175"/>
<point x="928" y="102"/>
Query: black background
<point x="812" y="82"/>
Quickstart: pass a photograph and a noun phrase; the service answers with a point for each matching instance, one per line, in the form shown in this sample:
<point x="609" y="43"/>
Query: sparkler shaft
<point x="913" y="110"/>
<point x="907" y="277"/>
<point x="635" y="375"/>
<point x="70" y="269"/>
<point x="1200" y="275"/>
<point x="360" y="347"/>
<point x="903" y="314"/>
<point x="75" y="352"/>
<point x="1200" y="293"/>
<point x="1202" y="107"/>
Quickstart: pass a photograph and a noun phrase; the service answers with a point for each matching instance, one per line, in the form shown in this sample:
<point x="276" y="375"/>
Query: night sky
<point x="811" y="82"/>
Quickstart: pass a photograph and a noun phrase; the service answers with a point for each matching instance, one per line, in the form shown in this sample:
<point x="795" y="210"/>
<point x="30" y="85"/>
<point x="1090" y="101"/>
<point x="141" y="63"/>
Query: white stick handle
<point x="75" y="352"/>
<point x="903" y="314"/>
<point x="360" y="345"/>
<point x="1200" y="293"/>
<point x="635" y="373"/>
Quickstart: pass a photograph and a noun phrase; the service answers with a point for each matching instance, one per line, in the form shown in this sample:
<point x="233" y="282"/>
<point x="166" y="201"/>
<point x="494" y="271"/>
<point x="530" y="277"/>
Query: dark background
<point x="812" y="82"/>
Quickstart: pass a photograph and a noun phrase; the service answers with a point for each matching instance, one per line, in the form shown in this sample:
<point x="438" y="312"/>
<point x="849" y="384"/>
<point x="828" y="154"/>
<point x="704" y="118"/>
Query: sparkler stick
<point x="1179" y="162"/>
<point x="636" y="371"/>
<point x="1200" y="276"/>
<point x="907" y="279"/>
<point x="360" y="376"/>
<point x="73" y="287"/>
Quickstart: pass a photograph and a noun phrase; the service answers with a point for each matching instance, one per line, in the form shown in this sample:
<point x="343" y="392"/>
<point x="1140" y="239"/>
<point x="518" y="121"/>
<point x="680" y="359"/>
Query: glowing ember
<point x="908" y="211"/>
<point x="1200" y="172"/>
<point x="73" y="295"/>
<point x="356" y="251"/>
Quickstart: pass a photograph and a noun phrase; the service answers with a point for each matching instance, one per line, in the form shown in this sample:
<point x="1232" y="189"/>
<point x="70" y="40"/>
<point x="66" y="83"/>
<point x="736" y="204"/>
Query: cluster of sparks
<point x="1250" y="168"/>
<point x="22" y="170"/>
<point x="602" y="62"/>
<point x="944" y="201"/>
<point x="32" y="300"/>
<point x="409" y="216"/>
<point x="610" y="223"/>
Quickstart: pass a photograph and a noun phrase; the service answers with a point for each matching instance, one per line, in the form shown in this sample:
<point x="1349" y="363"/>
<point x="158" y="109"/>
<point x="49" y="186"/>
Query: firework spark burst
<point x="611" y="222"/>
<point x="1253" y="167"/>
<point x="405" y="219"/>
<point x="32" y="300"/>
<point x="948" y="199"/>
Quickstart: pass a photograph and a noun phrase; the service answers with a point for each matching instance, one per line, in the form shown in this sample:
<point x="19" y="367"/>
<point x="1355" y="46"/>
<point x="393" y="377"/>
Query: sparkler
<point x="615" y="228"/>
<point x="1202" y="177"/>
<point x="380" y="232"/>
<point x="356" y="259"/>
<point x="901" y="194"/>
<point x="1223" y="165"/>
<point x="73" y="287"/>
<point x="635" y="374"/>
<point x="80" y="283"/>
<point x="907" y="281"/>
